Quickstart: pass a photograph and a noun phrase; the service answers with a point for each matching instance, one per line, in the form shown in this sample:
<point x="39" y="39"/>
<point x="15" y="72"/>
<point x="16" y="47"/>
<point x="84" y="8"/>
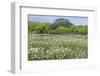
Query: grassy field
<point x="57" y="46"/>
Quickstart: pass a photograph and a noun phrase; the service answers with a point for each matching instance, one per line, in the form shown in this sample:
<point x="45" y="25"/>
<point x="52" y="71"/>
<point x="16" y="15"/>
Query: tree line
<point x="59" y="26"/>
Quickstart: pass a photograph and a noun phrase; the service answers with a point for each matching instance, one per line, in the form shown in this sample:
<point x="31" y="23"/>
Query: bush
<point x="53" y="32"/>
<point x="62" y="30"/>
<point x="45" y="28"/>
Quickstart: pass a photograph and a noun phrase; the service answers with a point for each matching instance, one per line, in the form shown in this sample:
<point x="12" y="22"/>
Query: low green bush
<point x="45" y="28"/>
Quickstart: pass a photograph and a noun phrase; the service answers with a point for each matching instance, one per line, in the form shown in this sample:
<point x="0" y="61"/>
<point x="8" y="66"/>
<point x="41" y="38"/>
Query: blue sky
<point x="73" y="19"/>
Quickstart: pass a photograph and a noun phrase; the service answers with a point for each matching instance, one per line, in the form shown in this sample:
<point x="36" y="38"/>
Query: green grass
<point x="57" y="46"/>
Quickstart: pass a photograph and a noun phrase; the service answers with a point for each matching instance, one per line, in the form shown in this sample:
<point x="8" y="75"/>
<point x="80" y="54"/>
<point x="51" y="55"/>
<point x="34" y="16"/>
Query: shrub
<point x="45" y="28"/>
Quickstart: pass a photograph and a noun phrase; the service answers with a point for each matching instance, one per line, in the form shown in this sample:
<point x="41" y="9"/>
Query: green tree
<point x="61" y="22"/>
<point x="31" y="26"/>
<point x="62" y="30"/>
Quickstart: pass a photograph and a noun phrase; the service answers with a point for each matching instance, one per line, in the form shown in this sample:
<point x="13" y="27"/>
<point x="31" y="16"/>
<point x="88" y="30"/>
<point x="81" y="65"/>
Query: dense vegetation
<point x="59" y="26"/>
<point x="49" y="47"/>
<point x="60" y="39"/>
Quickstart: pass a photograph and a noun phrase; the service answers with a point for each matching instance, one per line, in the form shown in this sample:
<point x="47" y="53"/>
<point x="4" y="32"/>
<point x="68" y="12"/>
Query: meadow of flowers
<point x="57" y="46"/>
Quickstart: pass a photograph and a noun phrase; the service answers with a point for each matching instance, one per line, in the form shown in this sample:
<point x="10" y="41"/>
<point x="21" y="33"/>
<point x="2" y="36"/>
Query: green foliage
<point x="59" y="26"/>
<point x="53" y="32"/>
<point x="63" y="30"/>
<point x="37" y="27"/>
<point x="80" y="29"/>
<point x="61" y="22"/>
<point x="31" y="26"/>
<point x="41" y="29"/>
